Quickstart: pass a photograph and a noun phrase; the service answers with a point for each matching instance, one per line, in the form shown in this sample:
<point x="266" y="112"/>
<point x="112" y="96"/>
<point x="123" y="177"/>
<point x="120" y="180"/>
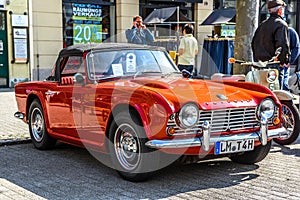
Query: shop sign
<point x="87" y="10"/>
<point x="19" y="20"/>
<point x="20" y="33"/>
<point x="1" y="45"/>
<point x="185" y="1"/>
<point x="2" y="4"/>
<point x="87" y="23"/>
<point x="20" y="45"/>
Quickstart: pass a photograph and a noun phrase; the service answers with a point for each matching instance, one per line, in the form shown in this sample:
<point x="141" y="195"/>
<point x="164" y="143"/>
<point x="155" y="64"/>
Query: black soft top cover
<point x="79" y="49"/>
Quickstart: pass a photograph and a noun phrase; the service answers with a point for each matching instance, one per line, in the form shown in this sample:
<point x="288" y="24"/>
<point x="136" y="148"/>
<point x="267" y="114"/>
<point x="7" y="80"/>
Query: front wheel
<point x="291" y="119"/>
<point x="254" y="156"/>
<point x="130" y="157"/>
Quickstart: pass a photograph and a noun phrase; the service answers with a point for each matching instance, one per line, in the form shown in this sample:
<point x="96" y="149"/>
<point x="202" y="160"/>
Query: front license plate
<point x="234" y="146"/>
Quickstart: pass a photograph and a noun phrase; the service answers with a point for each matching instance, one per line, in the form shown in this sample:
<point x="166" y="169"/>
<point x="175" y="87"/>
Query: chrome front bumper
<point x="263" y="135"/>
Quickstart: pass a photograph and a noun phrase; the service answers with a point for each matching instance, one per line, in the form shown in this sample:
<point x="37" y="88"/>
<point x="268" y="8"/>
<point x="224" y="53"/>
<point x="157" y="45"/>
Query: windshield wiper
<point x="138" y="73"/>
<point x="171" y="73"/>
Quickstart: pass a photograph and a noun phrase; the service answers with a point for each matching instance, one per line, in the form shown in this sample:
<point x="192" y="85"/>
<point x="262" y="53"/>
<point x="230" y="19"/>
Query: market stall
<point x="165" y="24"/>
<point x="220" y="45"/>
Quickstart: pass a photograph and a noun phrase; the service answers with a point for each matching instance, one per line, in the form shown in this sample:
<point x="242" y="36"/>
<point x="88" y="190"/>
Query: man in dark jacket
<point x="271" y="34"/>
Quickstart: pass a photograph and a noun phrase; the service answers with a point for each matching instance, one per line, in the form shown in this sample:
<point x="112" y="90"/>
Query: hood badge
<point x="222" y="97"/>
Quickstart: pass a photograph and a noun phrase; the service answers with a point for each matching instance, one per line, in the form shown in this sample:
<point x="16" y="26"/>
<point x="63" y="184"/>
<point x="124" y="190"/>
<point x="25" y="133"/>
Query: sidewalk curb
<point x="13" y="142"/>
<point x="7" y="89"/>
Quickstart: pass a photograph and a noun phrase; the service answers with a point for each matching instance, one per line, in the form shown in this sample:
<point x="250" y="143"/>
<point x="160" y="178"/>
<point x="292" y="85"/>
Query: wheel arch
<point x="31" y="97"/>
<point x="283" y="95"/>
<point x="119" y="108"/>
<point x="132" y="110"/>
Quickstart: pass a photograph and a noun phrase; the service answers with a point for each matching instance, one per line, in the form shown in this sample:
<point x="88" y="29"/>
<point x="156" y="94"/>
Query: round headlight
<point x="188" y="116"/>
<point x="272" y="76"/>
<point x="266" y="109"/>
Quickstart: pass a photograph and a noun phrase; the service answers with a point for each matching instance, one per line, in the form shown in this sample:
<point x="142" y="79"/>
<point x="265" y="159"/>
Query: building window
<point x="223" y="4"/>
<point x="169" y="27"/>
<point x="290" y="12"/>
<point x="87" y="21"/>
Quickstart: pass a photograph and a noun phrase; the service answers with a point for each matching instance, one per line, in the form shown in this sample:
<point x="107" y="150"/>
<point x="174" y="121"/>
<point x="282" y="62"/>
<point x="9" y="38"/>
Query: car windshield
<point x="103" y="64"/>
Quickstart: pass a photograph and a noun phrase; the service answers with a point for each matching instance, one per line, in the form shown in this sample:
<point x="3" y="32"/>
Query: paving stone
<point x="72" y="173"/>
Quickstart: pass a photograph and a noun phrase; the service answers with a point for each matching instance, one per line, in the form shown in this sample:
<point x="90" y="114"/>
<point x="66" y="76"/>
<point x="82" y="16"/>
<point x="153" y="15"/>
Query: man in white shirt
<point x="188" y="49"/>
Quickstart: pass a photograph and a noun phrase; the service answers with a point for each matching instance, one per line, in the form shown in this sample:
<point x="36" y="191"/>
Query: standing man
<point x="271" y="34"/>
<point x="139" y="34"/>
<point x="188" y="49"/>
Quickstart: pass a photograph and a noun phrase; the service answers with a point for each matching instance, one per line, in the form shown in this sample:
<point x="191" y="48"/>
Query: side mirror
<point x="79" y="79"/>
<point x="186" y="74"/>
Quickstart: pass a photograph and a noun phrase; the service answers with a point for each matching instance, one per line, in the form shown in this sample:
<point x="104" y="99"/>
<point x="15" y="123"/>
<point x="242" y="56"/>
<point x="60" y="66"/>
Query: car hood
<point x="208" y="94"/>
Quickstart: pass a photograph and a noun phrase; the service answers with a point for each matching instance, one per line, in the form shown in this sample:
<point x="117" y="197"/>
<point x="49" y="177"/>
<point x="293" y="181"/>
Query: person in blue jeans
<point x="188" y="49"/>
<point x="295" y="52"/>
<point x="139" y="34"/>
<point x="270" y="35"/>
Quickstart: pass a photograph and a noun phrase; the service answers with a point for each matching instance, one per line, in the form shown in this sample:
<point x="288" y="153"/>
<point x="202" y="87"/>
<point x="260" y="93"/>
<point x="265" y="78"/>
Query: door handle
<point x="51" y="93"/>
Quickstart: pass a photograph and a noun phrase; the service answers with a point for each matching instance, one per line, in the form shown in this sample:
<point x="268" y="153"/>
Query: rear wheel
<point x="291" y="121"/>
<point x="37" y="127"/>
<point x="254" y="156"/>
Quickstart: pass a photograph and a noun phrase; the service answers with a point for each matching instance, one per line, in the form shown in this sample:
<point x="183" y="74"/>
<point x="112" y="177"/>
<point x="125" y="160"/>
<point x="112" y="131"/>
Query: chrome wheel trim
<point x="37" y="124"/>
<point x="127" y="147"/>
<point x="289" y="120"/>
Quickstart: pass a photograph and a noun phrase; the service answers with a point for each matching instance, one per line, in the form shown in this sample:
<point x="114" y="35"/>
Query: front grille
<point x="230" y="119"/>
<point x="222" y="120"/>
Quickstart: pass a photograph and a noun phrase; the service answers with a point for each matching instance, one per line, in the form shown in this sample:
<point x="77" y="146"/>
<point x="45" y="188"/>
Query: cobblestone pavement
<point x="12" y="129"/>
<point x="72" y="173"/>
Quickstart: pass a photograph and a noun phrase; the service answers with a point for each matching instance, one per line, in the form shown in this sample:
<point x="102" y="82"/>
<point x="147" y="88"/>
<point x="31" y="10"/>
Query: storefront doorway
<point x="3" y="51"/>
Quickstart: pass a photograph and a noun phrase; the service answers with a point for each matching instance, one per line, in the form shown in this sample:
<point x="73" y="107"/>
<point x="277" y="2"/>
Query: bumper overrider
<point x="20" y="116"/>
<point x="263" y="135"/>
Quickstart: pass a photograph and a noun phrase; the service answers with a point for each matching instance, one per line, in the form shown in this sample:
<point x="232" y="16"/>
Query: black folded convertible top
<point x="79" y="49"/>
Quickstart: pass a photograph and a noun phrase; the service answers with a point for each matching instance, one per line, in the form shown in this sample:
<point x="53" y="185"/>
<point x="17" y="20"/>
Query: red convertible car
<point x="131" y="102"/>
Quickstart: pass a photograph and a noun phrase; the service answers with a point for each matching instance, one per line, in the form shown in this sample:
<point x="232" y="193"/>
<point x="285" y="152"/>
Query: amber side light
<point x="171" y="131"/>
<point x="231" y="60"/>
<point x="276" y="121"/>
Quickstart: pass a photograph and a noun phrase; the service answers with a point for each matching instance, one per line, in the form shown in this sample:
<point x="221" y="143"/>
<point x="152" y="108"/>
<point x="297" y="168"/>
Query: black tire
<point x="291" y="118"/>
<point x="254" y="156"/>
<point x="130" y="157"/>
<point x="37" y="127"/>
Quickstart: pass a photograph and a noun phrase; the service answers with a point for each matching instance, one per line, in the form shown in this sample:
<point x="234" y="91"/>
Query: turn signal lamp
<point x="231" y="60"/>
<point x="171" y="131"/>
<point x="276" y="121"/>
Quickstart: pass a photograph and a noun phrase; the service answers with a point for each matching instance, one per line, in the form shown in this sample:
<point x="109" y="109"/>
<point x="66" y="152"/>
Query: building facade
<point x="14" y="42"/>
<point x="32" y="32"/>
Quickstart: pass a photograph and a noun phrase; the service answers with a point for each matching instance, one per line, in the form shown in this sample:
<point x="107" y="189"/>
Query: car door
<point x="95" y="99"/>
<point x="65" y="100"/>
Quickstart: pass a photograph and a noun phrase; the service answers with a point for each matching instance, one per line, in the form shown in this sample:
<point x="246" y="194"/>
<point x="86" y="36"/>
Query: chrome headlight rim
<point x="266" y="109"/>
<point x="188" y="116"/>
<point x="272" y="76"/>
